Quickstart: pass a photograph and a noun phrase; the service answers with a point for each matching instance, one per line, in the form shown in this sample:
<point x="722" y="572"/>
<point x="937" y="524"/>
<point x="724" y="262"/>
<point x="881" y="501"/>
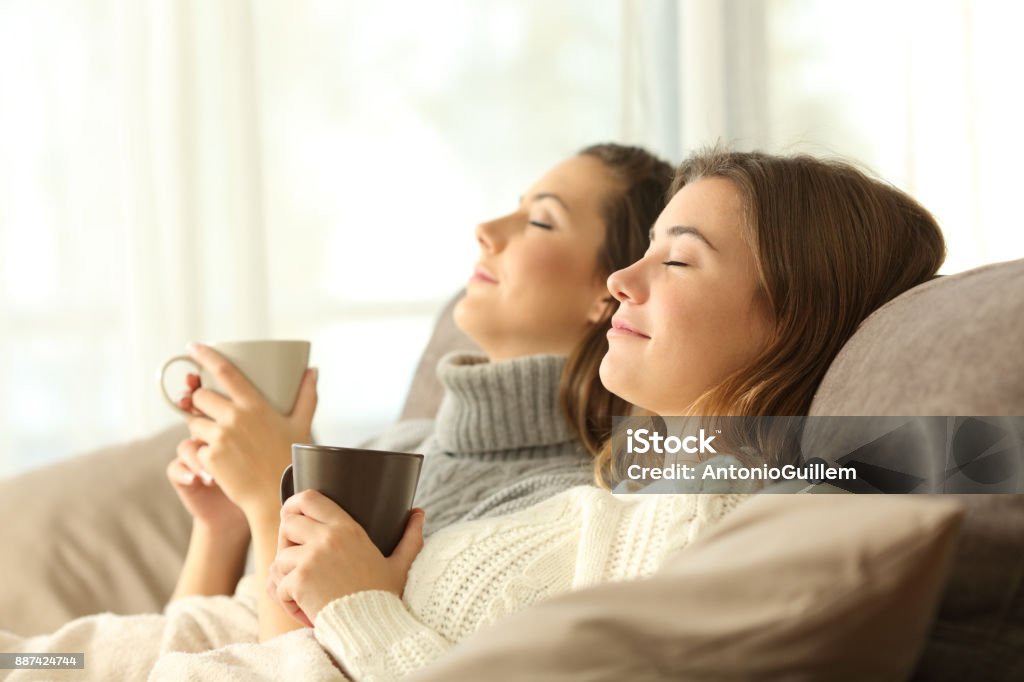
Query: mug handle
<point x="163" y="373"/>
<point x="287" y="483"/>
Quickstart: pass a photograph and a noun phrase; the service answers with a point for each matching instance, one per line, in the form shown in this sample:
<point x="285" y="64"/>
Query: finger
<point x="274" y="576"/>
<point x="287" y="601"/>
<point x="227" y="375"/>
<point x="412" y="540"/>
<point x="283" y="542"/>
<point x="179" y="473"/>
<point x="185" y="403"/>
<point x="286" y="560"/>
<point x="211" y="403"/>
<point x="271" y="587"/>
<point x="315" y="505"/>
<point x="204" y="429"/>
<point x="305" y="403"/>
<point x="187" y="450"/>
<point x="301" y="616"/>
<point x="299" y="529"/>
<point x="203" y="455"/>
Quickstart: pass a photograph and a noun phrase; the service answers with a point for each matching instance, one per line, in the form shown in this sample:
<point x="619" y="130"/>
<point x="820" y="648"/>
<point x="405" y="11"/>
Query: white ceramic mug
<point x="275" y="368"/>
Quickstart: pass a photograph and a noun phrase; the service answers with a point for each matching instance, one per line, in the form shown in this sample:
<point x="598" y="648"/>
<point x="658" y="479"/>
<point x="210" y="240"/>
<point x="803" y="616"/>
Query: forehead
<point x="582" y="182"/>
<point x="713" y="205"/>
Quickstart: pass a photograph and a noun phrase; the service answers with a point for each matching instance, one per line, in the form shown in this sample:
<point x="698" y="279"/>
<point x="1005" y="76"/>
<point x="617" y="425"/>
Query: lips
<point x="482" y="274"/>
<point x="622" y="328"/>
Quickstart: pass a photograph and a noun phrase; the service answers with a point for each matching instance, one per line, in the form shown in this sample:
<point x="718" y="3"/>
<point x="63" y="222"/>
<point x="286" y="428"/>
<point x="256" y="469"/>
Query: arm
<point x="214" y="562"/>
<point x="220" y="534"/>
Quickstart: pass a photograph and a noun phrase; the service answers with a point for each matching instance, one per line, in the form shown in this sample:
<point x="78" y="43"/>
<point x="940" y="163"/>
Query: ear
<point x="600" y="308"/>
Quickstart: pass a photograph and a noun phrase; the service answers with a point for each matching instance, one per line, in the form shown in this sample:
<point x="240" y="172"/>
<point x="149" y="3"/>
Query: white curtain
<point x="182" y="169"/>
<point x="132" y="217"/>
<point x="923" y="93"/>
<point x="190" y="170"/>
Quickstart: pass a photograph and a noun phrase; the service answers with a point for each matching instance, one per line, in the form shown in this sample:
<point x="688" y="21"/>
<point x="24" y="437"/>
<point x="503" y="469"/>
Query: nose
<point x="625" y="284"/>
<point x="490" y="236"/>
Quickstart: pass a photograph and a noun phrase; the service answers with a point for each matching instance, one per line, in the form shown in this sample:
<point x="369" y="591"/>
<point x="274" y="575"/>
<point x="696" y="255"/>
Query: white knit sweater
<point x="467" y="576"/>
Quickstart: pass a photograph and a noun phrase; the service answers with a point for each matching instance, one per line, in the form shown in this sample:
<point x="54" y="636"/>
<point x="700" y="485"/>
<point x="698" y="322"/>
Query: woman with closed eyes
<point x="758" y="271"/>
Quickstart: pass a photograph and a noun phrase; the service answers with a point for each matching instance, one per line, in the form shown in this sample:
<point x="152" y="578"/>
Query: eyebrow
<point x="680" y="230"/>
<point x="547" y="195"/>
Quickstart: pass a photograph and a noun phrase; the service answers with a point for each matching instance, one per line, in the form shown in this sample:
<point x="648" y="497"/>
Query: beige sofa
<point x="103" y="531"/>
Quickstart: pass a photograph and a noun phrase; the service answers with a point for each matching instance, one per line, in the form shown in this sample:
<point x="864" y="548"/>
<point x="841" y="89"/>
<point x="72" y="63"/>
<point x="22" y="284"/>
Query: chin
<point x="477" y="323"/>
<point x="614" y="378"/>
<point x="459" y="314"/>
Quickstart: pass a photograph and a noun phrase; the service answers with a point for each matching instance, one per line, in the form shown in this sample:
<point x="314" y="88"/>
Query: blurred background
<point x="182" y="169"/>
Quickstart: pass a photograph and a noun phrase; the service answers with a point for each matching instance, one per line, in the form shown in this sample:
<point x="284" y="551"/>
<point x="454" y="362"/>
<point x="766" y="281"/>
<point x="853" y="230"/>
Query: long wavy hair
<point x="642" y="181"/>
<point x="831" y="245"/>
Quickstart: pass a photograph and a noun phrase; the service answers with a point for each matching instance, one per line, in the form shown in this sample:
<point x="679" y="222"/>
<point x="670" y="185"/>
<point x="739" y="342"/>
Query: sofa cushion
<point x="99" y="532"/>
<point x="787" y="587"/>
<point x="951" y="346"/>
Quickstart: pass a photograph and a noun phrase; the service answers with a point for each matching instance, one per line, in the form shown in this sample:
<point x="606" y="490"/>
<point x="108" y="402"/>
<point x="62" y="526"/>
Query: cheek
<point x="707" y="338"/>
<point x="551" y="275"/>
<point x="535" y="262"/>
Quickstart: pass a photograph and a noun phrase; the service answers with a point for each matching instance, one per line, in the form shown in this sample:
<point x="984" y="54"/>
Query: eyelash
<point x="545" y="226"/>
<point x="675" y="262"/>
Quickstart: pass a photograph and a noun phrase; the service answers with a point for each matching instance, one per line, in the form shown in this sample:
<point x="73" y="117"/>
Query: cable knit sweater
<point x="467" y="576"/>
<point x="498" y="445"/>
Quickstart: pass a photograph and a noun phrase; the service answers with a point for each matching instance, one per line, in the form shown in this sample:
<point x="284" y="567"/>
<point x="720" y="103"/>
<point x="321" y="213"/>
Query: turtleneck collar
<point x="501" y="409"/>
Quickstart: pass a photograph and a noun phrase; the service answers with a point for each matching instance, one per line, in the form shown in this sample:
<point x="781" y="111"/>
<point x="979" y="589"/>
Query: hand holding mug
<point x="246" y="442"/>
<point x="324" y="554"/>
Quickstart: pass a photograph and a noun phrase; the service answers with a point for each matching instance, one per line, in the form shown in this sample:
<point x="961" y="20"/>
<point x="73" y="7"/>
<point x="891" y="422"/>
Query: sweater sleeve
<point x="373" y="636"/>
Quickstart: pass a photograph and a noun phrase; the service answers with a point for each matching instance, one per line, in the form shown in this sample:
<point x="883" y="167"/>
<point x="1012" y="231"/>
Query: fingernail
<point x="207" y="478"/>
<point x="191" y="347"/>
<point x="188" y="479"/>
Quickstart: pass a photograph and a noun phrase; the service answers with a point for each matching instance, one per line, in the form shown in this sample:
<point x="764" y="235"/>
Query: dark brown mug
<point x="375" y="487"/>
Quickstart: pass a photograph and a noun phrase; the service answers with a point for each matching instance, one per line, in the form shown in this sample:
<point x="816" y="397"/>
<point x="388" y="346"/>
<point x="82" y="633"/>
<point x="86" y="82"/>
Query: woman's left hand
<point x="323" y="554"/>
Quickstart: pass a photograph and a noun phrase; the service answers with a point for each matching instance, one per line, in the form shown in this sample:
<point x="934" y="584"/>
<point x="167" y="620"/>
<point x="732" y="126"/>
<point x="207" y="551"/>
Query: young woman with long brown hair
<point x="758" y="271"/>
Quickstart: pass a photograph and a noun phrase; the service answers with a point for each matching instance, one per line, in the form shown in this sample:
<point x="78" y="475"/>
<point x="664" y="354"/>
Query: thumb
<point x="305" y="402"/>
<point x="412" y="540"/>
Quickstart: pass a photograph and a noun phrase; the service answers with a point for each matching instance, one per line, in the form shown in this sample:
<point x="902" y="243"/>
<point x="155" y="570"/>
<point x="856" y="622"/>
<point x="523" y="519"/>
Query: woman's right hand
<point x="201" y="495"/>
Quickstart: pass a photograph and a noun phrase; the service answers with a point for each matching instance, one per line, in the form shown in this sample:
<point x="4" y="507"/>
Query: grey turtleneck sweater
<point x="499" y="442"/>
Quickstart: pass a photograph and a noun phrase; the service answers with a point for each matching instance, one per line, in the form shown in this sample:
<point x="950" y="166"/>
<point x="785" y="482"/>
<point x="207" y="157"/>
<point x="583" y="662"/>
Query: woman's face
<point x="690" y="312"/>
<point x="537" y="285"/>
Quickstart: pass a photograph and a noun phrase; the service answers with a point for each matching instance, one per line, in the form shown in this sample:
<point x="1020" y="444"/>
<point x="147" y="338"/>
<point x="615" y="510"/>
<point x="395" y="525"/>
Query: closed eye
<point x="677" y="263"/>
<point x="546" y="226"/>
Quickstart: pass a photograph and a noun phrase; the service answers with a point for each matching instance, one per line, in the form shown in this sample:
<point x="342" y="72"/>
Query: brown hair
<point x="831" y="246"/>
<point x="643" y="180"/>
